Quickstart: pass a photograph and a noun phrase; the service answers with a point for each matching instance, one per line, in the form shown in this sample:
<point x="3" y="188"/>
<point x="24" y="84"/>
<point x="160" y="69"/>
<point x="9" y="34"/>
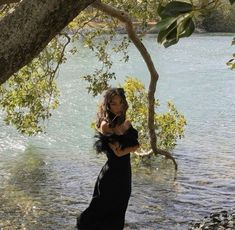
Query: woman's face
<point x="116" y="105"/>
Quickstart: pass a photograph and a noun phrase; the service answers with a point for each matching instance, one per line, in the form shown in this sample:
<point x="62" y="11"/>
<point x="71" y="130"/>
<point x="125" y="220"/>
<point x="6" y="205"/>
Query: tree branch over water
<point x="124" y="18"/>
<point x="26" y="31"/>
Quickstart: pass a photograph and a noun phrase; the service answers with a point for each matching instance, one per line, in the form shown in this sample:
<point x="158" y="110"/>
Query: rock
<point x="231" y="224"/>
<point x="223" y="220"/>
<point x="216" y="219"/>
<point x="224" y="213"/>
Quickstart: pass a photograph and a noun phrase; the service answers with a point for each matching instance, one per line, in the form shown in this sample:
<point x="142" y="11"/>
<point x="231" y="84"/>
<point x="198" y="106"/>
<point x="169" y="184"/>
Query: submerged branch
<point x="124" y="17"/>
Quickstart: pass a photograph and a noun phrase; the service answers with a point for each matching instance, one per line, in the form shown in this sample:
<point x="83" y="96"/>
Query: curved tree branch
<point x="124" y="17"/>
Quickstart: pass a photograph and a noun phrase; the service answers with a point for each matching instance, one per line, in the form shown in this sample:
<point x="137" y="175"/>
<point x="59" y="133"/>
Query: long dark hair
<point x="104" y="113"/>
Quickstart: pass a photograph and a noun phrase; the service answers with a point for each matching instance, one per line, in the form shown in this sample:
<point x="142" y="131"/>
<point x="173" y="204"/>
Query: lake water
<point x="45" y="181"/>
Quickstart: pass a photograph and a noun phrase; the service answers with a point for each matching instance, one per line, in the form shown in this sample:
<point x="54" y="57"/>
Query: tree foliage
<point x="220" y="19"/>
<point x="176" y="22"/>
<point x="231" y="62"/>
<point x="177" y="18"/>
<point x="169" y="126"/>
<point x="29" y="95"/>
<point x="26" y="113"/>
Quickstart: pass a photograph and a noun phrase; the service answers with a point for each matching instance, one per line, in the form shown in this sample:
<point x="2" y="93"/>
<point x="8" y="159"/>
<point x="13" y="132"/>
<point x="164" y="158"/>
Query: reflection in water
<point x="28" y="174"/>
<point x="33" y="196"/>
<point x="20" y="198"/>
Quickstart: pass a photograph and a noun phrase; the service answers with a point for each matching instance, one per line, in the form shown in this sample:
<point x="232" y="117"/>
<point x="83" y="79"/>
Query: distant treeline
<point x="220" y="20"/>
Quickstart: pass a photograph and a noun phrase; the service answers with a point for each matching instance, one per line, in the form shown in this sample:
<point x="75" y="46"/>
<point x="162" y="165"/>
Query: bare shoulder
<point x="127" y="124"/>
<point x="104" y="128"/>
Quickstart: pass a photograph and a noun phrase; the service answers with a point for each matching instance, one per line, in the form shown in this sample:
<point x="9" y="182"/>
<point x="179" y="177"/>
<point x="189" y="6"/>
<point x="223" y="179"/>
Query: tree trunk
<point x="26" y="31"/>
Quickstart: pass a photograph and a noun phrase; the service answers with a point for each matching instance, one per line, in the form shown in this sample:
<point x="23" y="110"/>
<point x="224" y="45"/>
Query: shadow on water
<point x="19" y="200"/>
<point x="27" y="199"/>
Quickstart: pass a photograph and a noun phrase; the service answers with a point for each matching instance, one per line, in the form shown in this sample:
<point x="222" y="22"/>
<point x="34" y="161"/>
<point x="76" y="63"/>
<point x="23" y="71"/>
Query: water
<point x="47" y="180"/>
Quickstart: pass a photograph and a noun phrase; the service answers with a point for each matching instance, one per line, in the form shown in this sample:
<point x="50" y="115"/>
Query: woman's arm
<point x="122" y="152"/>
<point x="105" y="129"/>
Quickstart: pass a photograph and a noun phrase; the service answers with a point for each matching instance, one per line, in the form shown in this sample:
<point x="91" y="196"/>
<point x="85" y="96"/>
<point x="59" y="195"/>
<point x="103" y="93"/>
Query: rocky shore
<point x="223" y="220"/>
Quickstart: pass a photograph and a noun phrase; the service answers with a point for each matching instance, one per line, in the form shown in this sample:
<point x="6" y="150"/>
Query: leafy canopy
<point x="169" y="126"/>
<point x="28" y="98"/>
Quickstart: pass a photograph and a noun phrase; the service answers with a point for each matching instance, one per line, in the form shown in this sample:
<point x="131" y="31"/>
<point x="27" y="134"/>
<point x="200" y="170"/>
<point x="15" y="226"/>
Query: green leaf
<point x="165" y="23"/>
<point x="233" y="42"/>
<point x="160" y="9"/>
<point x="182" y="22"/>
<point x="171" y="42"/>
<point x="181" y="26"/>
<point x="171" y="38"/>
<point x="186" y="29"/>
<point x="231" y="63"/>
<point x="162" y="35"/>
<point x="175" y="8"/>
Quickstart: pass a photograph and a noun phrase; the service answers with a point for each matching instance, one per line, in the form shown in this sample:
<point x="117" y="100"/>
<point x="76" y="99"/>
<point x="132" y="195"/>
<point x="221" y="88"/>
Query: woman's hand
<point x="120" y="129"/>
<point x="121" y="152"/>
<point x="114" y="146"/>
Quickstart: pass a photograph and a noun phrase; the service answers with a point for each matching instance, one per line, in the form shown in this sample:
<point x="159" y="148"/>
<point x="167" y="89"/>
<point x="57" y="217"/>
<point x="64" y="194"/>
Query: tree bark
<point x="26" y="31"/>
<point x="3" y="2"/>
<point x="124" y="17"/>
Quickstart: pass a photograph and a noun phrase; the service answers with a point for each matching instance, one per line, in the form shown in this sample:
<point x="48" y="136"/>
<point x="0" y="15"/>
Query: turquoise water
<point x="47" y="180"/>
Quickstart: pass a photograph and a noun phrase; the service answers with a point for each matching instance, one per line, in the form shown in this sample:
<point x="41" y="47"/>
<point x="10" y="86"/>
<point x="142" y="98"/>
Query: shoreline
<point x="151" y="29"/>
<point x="224" y="219"/>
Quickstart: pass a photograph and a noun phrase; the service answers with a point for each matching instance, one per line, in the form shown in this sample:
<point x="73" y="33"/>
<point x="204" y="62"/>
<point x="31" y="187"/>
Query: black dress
<point x="113" y="186"/>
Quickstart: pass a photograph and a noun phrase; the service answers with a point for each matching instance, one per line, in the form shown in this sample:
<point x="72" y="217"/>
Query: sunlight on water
<point x="7" y="142"/>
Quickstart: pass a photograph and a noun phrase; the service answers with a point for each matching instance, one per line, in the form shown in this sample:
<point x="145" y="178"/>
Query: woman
<point x="117" y="138"/>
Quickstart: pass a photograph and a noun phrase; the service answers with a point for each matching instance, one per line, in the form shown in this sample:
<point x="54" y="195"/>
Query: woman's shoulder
<point x="127" y="124"/>
<point x="105" y="128"/>
<point x="129" y="128"/>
